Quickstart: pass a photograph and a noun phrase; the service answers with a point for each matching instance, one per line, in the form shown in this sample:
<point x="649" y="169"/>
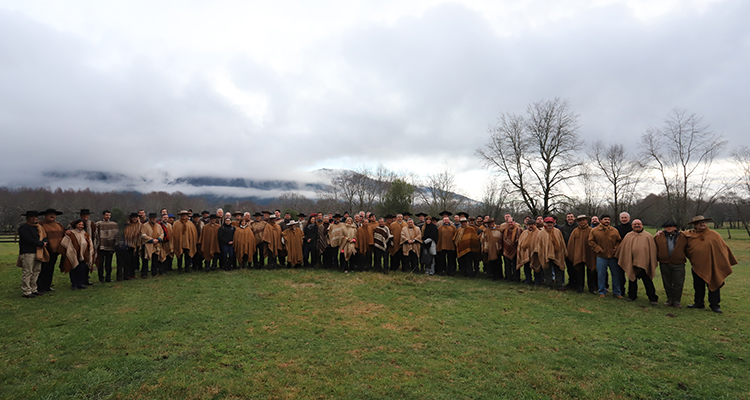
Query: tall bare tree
<point x="495" y="199"/>
<point x="622" y="172"/>
<point x="438" y="192"/>
<point x="537" y="152"/>
<point x="682" y="151"/>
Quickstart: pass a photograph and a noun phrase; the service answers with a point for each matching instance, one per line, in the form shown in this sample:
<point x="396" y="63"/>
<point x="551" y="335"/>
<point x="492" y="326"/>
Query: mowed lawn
<point x="323" y="334"/>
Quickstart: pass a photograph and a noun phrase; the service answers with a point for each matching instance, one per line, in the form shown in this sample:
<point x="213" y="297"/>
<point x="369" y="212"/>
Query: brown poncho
<point x="209" y="241"/>
<point x="396" y="232"/>
<point x="363" y="238"/>
<point x="445" y="237"/>
<point x="579" y="251"/>
<point x="556" y="250"/>
<point x="258" y="228"/>
<point x="272" y="238"/>
<point x="244" y="242"/>
<point x="335" y="234"/>
<point x="637" y="250"/>
<point x="184" y="236"/>
<point x="414" y="234"/>
<point x="532" y="248"/>
<point x="132" y="234"/>
<point x="381" y="236"/>
<point x="466" y="240"/>
<point x="710" y="257"/>
<point x="55" y="233"/>
<point x="347" y="244"/>
<point x="152" y="231"/>
<point x="77" y="248"/>
<point x="492" y="239"/>
<point x="293" y="238"/>
<point x="323" y="241"/>
<point x="511" y="234"/>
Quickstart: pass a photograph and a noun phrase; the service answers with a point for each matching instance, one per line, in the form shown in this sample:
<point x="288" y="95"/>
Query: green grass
<point x="323" y="334"/>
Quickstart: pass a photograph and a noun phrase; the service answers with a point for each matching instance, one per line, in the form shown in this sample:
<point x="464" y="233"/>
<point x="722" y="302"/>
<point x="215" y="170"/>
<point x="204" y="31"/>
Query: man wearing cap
<point x="292" y="238"/>
<point x="105" y="234"/>
<point x="132" y="235"/>
<point x="272" y="239"/>
<point x="258" y="226"/>
<point x="184" y="241"/>
<point x="32" y="251"/>
<point x="467" y="246"/>
<point x="492" y="242"/>
<point x="670" y="253"/>
<point x="396" y="251"/>
<point x="604" y="240"/>
<point x="510" y="235"/>
<point x="209" y="243"/>
<point x="711" y="261"/>
<point x="54" y="231"/>
<point x="244" y="242"/>
<point x="581" y="257"/>
<point x="446" y="249"/>
<point x="152" y="237"/>
<point x="636" y="255"/>
<point x="554" y="265"/>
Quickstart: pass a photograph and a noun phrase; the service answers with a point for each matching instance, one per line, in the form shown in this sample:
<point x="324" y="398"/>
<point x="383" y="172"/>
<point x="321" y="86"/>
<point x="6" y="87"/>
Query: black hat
<point x="463" y="214"/>
<point x="30" y="214"/>
<point x="445" y="213"/>
<point x="152" y="215"/>
<point x="420" y="214"/>
<point x="406" y="214"/>
<point x="205" y="212"/>
<point x="85" y="211"/>
<point x="266" y="212"/>
<point x="257" y="214"/>
<point x="196" y="215"/>
<point x="50" y="211"/>
<point x="133" y="215"/>
<point x="346" y="212"/>
<point x="337" y="215"/>
<point x="213" y="216"/>
<point x="301" y="215"/>
<point x="668" y="223"/>
<point x="237" y="213"/>
<point x="389" y="216"/>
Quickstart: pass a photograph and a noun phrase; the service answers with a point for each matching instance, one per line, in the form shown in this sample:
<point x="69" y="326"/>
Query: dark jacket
<point x="311" y="234"/>
<point x="225" y="235"/>
<point x="567" y="229"/>
<point x="624" y="229"/>
<point x="430" y="232"/>
<point x="28" y="239"/>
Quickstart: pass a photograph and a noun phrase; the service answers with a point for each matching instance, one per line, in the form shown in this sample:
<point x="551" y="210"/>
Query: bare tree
<point x="741" y="158"/>
<point x="682" y="152"/>
<point x="495" y="199"/>
<point x="438" y="193"/>
<point x="537" y="153"/>
<point x="622" y="172"/>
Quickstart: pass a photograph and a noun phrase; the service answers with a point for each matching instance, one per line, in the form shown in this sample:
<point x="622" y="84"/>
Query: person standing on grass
<point x="166" y="246"/>
<point x="467" y="245"/>
<point x="604" y="240"/>
<point x="623" y="229"/>
<point x="381" y="239"/>
<point x="582" y="257"/>
<point x="184" y="241"/>
<point x="532" y="252"/>
<point x="396" y="253"/>
<point x="78" y="258"/>
<point x="510" y="235"/>
<point x="226" y="243"/>
<point x="272" y="239"/>
<point x="209" y="243"/>
<point x="55" y="232"/>
<point x="198" y="257"/>
<point x="310" y="255"/>
<point x="429" y="250"/>
<point x="670" y="252"/>
<point x="132" y="236"/>
<point x="636" y="255"/>
<point x="446" y="249"/>
<point x="293" y="239"/>
<point x="711" y="261"/>
<point x="411" y="242"/>
<point x="348" y="245"/>
<point x="258" y="226"/>
<point x="152" y="236"/>
<point x="567" y="228"/>
<point x="244" y="242"/>
<point x="492" y="242"/>
<point x="105" y="234"/>
<point x="32" y="251"/>
<point x="554" y="265"/>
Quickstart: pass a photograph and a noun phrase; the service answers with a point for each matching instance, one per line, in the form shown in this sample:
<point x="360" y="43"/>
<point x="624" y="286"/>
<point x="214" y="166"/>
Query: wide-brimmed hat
<point x="463" y="219"/>
<point x="257" y="214"/>
<point x="668" y="224"/>
<point x="337" y="215"/>
<point x="237" y="213"/>
<point x="301" y="215"/>
<point x="420" y="214"/>
<point x="152" y="215"/>
<point x="272" y="216"/>
<point x="183" y="212"/>
<point x="30" y="214"/>
<point x="50" y="211"/>
<point x="463" y="214"/>
<point x="195" y="215"/>
<point x="699" y="218"/>
<point x="445" y="213"/>
<point x="85" y="211"/>
<point x="212" y="216"/>
<point x="582" y="216"/>
<point x="133" y="215"/>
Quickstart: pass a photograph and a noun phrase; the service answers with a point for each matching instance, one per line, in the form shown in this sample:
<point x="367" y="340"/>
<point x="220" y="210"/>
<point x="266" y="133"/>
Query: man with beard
<point x="670" y="253"/>
<point x="272" y="239"/>
<point x="292" y="238"/>
<point x="636" y="255"/>
<point x="510" y="235"/>
<point x="446" y="249"/>
<point x="532" y="252"/>
<point x="105" y="234"/>
<point x="55" y="232"/>
<point x="396" y="253"/>
<point x="554" y="267"/>
<point x="467" y="246"/>
<point x="132" y="237"/>
<point x="581" y="256"/>
<point x="184" y="241"/>
<point x="711" y="261"/>
<point x="492" y="239"/>
<point x="244" y="242"/>
<point x="152" y="238"/>
<point x="209" y="243"/>
<point x="604" y="240"/>
<point x="411" y="239"/>
<point x="258" y="226"/>
<point x="381" y="237"/>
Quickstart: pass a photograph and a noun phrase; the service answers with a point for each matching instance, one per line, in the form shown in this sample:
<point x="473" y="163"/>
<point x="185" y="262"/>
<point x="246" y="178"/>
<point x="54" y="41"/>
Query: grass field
<point x="322" y="334"/>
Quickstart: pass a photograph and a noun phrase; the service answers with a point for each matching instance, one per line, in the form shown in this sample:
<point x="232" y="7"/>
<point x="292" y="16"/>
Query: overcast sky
<point x="276" y="89"/>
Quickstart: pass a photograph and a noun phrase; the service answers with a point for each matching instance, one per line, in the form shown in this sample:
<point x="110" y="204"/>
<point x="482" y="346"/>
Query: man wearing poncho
<point x="184" y="241"/>
<point x="636" y="255"/>
<point x="152" y="236"/>
<point x="554" y="266"/>
<point x="292" y="238"/>
<point x="511" y="232"/>
<point x="272" y="239"/>
<point x="711" y="261"/>
<point x="411" y="242"/>
<point x="32" y="251"/>
<point x="446" y="249"/>
<point x="381" y="239"/>
<point x="467" y="247"/>
<point x="532" y="252"/>
<point x="258" y="226"/>
<point x="396" y="253"/>
<point x="492" y="239"/>
<point x="78" y="257"/>
<point x="244" y="242"/>
<point x="347" y="244"/>
<point x="55" y="232"/>
<point x="581" y="256"/>
<point x="132" y="237"/>
<point x="209" y="242"/>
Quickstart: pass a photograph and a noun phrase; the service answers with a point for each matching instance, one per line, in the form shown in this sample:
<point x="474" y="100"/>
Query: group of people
<point x="592" y="251"/>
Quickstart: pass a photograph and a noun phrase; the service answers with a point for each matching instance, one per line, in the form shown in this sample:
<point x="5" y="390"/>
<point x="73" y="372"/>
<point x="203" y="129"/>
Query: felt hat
<point x="668" y="223"/>
<point x="237" y="213"/>
<point x="582" y="216"/>
<point x="50" y="211"/>
<point x="463" y="219"/>
<point x="445" y="213"/>
<point x="463" y="214"/>
<point x="213" y="216"/>
<point x="420" y="214"/>
<point x="301" y="215"/>
<point x="699" y="218"/>
<point x="30" y="214"/>
<point x="85" y="211"/>
<point x="133" y="215"/>
<point x="257" y="214"/>
<point x="195" y="215"/>
<point x="152" y="215"/>
<point x="337" y="215"/>
<point x="183" y="212"/>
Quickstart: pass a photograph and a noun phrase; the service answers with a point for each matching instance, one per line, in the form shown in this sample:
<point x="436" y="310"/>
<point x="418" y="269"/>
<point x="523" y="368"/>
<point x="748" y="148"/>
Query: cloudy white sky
<point x="276" y="89"/>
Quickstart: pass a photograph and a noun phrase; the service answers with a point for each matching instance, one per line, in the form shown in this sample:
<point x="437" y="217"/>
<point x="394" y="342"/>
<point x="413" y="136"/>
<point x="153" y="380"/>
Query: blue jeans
<point x="615" y="271"/>
<point x="227" y="256"/>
